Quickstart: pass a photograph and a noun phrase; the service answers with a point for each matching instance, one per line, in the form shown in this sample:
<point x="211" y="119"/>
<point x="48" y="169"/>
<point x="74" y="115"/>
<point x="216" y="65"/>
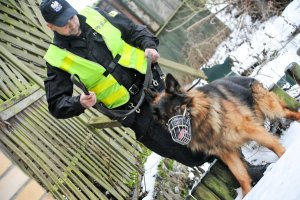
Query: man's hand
<point x="155" y="54"/>
<point x="88" y="101"/>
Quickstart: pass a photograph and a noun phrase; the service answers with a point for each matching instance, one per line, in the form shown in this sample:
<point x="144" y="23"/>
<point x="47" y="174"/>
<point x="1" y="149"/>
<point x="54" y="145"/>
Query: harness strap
<point x="112" y="65"/>
<point x="160" y="72"/>
<point x="124" y="113"/>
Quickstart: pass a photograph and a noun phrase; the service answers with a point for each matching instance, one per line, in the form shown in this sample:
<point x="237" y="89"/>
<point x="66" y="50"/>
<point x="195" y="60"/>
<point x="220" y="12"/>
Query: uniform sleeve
<point x="136" y="35"/>
<point x="59" y="90"/>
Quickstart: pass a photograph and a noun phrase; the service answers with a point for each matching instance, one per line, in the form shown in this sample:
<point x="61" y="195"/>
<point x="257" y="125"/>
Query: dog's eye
<point x="164" y="116"/>
<point x="177" y="108"/>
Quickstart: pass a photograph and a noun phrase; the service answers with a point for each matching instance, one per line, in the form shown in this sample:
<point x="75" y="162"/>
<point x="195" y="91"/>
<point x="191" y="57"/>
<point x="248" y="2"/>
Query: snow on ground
<point x="272" y="44"/>
<point x="276" y="175"/>
<point x="150" y="167"/>
<point x="280" y="180"/>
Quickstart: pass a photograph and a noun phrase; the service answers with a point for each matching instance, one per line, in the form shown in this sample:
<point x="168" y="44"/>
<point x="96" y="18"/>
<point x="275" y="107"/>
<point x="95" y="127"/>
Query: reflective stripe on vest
<point x="131" y="57"/>
<point x="107" y="89"/>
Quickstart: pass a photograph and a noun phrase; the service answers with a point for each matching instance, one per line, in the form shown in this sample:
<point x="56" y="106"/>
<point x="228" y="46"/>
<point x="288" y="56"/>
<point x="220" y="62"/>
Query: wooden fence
<point x="69" y="158"/>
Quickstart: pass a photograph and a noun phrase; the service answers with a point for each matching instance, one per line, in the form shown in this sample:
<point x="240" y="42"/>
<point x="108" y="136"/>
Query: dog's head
<point x="168" y="103"/>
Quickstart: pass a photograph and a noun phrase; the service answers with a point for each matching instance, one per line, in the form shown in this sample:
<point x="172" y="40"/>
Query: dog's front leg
<point x="238" y="169"/>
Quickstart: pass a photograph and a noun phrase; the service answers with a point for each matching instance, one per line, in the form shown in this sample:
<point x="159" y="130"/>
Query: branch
<point x="205" y="19"/>
<point x="183" y="23"/>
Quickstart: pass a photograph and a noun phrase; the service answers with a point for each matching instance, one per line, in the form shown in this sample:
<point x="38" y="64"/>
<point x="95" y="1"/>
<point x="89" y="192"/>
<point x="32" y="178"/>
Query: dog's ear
<point x="172" y="85"/>
<point x="150" y="95"/>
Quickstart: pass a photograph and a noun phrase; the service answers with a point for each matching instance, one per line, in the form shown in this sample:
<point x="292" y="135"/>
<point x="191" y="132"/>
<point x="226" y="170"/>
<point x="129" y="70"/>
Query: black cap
<point x="57" y="12"/>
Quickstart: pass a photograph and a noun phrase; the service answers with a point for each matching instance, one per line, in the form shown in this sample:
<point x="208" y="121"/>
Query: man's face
<point x="72" y="28"/>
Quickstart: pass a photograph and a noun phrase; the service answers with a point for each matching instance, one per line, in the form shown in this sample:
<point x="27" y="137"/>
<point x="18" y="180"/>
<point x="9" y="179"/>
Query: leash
<point x="194" y="85"/>
<point x="118" y="113"/>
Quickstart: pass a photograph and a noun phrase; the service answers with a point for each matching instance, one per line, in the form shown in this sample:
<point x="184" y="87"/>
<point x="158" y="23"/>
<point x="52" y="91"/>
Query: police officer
<point x="108" y="52"/>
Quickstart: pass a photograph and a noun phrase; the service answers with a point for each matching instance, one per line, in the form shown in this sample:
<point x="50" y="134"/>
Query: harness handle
<point x="76" y="80"/>
<point x="118" y="113"/>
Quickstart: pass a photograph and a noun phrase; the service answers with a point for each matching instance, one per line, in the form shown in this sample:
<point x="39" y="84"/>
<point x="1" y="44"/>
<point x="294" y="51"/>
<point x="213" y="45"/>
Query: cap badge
<point x="56" y="6"/>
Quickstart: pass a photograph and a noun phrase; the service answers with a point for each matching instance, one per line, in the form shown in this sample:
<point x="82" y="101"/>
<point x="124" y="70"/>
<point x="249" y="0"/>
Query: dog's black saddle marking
<point x="238" y="87"/>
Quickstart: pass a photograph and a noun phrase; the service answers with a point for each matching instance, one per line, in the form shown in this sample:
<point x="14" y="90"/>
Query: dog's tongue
<point x="181" y="133"/>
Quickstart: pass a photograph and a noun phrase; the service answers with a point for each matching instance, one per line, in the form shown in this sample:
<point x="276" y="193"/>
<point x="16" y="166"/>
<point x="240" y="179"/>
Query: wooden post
<point x="298" y="51"/>
<point x="293" y="70"/>
<point x="217" y="184"/>
<point x="165" y="63"/>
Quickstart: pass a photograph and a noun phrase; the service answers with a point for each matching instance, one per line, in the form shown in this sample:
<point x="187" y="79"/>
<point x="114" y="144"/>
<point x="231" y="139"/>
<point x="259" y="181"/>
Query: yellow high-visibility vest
<point x="107" y="89"/>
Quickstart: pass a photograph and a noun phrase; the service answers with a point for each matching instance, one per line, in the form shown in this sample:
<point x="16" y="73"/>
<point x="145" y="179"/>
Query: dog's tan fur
<point x="220" y="126"/>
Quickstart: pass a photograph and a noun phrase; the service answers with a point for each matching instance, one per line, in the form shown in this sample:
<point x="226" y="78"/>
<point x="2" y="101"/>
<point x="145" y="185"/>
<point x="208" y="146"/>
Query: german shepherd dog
<point x="225" y="114"/>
